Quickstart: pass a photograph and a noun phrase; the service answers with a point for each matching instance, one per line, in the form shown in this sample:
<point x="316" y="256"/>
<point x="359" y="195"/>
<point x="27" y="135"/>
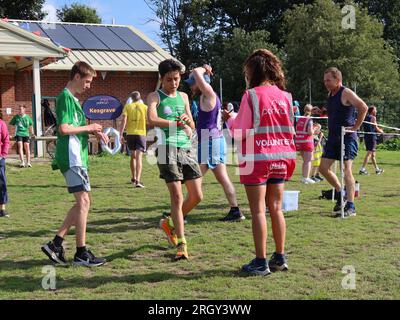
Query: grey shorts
<point x="77" y="179"/>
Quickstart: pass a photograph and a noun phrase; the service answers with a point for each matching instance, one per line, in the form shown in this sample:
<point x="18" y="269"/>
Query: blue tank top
<point x="339" y="115"/>
<point x="369" y="128"/>
<point x="211" y="121"/>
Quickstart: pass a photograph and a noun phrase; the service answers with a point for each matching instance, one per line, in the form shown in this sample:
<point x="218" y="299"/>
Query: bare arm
<point x="208" y="94"/>
<point x="67" y="129"/>
<point x="349" y="98"/>
<point x="187" y="117"/>
<point x="152" y="117"/>
<point x="373" y="120"/>
<point x="123" y="124"/>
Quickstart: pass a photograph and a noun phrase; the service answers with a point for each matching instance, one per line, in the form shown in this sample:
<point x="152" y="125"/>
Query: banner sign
<point x="102" y="108"/>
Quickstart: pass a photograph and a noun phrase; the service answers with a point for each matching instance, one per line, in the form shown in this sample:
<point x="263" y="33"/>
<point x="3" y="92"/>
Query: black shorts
<point x="136" y="142"/>
<point x="332" y="149"/>
<point x="22" y="139"/>
<point x="370" y="144"/>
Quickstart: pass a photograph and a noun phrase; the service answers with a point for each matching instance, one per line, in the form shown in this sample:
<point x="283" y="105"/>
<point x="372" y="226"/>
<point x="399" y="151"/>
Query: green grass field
<point x="123" y="227"/>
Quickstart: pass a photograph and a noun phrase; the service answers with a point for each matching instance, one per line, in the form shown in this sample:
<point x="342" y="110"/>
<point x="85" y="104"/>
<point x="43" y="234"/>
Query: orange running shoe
<point x="172" y="239"/>
<point x="182" y="252"/>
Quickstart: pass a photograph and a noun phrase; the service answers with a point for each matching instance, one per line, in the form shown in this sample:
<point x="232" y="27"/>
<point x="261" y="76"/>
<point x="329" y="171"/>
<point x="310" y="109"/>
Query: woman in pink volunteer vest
<point x="305" y="142"/>
<point x="267" y="154"/>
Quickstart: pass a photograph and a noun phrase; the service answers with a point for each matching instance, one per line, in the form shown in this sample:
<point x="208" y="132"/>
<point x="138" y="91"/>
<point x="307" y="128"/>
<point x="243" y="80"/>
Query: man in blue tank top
<point x="370" y="138"/>
<point x="211" y="141"/>
<point x="342" y="104"/>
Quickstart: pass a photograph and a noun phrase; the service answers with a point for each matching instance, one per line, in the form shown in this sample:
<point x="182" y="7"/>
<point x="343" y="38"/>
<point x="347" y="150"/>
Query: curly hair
<point x="262" y="65"/>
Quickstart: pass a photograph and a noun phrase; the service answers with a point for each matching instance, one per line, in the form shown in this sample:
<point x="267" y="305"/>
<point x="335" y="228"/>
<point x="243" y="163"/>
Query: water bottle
<point x="357" y="190"/>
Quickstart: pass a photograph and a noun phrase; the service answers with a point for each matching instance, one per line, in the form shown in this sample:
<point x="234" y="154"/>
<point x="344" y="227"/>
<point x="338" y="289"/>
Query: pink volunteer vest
<point x="272" y="136"/>
<point x="304" y="141"/>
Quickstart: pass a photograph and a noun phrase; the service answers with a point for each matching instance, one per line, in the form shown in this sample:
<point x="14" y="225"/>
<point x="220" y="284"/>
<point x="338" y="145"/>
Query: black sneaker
<point x="233" y="216"/>
<point x="379" y="171"/>
<point x="318" y="177"/>
<point x="255" y="269"/>
<point x="55" y="254"/>
<point x="4" y="214"/>
<point x="167" y="215"/>
<point x="314" y="178"/>
<point x="278" y="264"/>
<point x="363" y="172"/>
<point x="87" y="259"/>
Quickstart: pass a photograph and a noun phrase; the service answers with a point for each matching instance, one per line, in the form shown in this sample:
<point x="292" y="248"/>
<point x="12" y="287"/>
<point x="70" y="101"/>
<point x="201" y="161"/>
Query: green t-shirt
<point x="22" y="124"/>
<point x="72" y="150"/>
<point x="168" y="109"/>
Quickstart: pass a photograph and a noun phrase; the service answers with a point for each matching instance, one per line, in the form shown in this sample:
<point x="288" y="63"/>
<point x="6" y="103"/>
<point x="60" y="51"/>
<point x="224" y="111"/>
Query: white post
<point x="38" y="104"/>
<point x="309" y="84"/>
<point x="342" y="149"/>
<point x="333" y="188"/>
<point x="220" y="89"/>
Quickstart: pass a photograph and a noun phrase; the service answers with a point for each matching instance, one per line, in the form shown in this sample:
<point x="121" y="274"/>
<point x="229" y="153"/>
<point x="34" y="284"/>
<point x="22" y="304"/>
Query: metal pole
<point x="333" y="188"/>
<point x="342" y="149"/>
<point x="38" y="104"/>
<point x="309" y="85"/>
<point x="220" y="90"/>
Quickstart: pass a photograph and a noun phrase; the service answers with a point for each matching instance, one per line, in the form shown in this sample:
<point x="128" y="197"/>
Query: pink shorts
<point x="304" y="147"/>
<point x="259" y="172"/>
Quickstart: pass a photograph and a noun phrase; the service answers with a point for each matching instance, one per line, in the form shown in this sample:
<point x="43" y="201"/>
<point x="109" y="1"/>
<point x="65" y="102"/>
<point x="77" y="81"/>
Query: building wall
<point x="16" y="88"/>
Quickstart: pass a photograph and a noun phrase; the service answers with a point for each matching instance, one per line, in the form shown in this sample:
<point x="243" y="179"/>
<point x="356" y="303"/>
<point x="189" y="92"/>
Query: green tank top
<point x="169" y="108"/>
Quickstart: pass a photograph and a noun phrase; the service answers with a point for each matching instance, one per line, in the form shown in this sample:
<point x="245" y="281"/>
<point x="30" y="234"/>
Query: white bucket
<point x="290" y="201"/>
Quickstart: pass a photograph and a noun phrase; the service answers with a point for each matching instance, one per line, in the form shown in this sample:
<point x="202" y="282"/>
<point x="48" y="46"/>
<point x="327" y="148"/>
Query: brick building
<point x="124" y="58"/>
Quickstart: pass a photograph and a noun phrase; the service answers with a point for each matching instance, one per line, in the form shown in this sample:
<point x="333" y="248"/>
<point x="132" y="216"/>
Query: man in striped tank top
<point x="169" y="111"/>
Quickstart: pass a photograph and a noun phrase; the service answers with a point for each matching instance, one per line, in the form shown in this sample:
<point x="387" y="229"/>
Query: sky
<point x="126" y="12"/>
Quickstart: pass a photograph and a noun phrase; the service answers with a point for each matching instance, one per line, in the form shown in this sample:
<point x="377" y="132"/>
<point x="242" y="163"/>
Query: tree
<point x="78" y="13"/>
<point x="229" y="64"/>
<point x="316" y="40"/>
<point x="26" y="10"/>
<point x="186" y="28"/>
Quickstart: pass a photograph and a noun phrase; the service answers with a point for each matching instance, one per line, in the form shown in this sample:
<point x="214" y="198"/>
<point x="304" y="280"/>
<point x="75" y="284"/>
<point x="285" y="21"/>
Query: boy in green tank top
<point x="72" y="160"/>
<point x="169" y="111"/>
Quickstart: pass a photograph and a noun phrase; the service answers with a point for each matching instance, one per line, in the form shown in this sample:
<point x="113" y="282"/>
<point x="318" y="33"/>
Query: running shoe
<point x="88" y="259"/>
<point x="4" y="214"/>
<point x="363" y="172"/>
<point x="233" y="216"/>
<point x="278" y="263"/>
<point x="54" y="253"/>
<point x="181" y="253"/>
<point x="139" y="184"/>
<point x="307" y="180"/>
<point x="256" y="269"/>
<point x="379" y="171"/>
<point x="171" y="236"/>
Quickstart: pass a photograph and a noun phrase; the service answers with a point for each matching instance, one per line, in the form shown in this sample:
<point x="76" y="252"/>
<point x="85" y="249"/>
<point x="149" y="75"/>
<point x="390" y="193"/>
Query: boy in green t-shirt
<point x="23" y="124"/>
<point x="169" y="111"/>
<point x="72" y="160"/>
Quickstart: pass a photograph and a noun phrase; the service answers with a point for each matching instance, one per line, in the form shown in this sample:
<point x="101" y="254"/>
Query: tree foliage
<point x="78" y="13"/>
<point x="27" y="9"/>
<point x="316" y="40"/>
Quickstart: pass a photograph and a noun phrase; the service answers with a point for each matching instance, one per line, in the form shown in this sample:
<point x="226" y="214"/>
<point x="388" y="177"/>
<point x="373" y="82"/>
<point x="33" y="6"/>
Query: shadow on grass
<point x="26" y="186"/>
<point x="31" y="283"/>
<point x="26" y="233"/>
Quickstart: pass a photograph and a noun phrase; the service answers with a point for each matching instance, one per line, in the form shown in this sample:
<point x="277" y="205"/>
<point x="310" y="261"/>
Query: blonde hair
<point x="308" y="109"/>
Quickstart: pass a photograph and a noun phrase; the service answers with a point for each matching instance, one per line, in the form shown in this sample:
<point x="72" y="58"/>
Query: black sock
<point x="80" y="250"/>
<point x="234" y="209"/>
<point x="280" y="256"/>
<point x="58" y="241"/>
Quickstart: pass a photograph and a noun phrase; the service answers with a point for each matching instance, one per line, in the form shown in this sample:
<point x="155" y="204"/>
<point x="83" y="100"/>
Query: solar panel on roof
<point x="88" y="40"/>
<point x="59" y="35"/>
<point x="133" y="40"/>
<point x="110" y="39"/>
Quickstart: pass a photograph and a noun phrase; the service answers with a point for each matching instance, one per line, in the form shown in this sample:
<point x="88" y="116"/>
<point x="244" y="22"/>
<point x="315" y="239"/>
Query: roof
<point x="18" y="47"/>
<point x="104" y="47"/>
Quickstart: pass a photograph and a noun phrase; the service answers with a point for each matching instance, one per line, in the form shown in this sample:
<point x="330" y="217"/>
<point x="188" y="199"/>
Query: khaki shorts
<point x="177" y="164"/>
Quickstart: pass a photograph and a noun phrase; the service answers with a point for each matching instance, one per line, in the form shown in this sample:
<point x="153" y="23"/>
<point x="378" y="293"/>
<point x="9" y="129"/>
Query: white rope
<point x="374" y="133"/>
<point x="302" y="117"/>
<point x="381" y="125"/>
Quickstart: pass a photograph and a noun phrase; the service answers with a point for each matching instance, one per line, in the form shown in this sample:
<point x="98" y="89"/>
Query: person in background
<point x="371" y="140"/>
<point x="23" y="126"/>
<point x="134" y="120"/>
<point x="318" y="150"/>
<point x="305" y="143"/>
<point x="4" y="147"/>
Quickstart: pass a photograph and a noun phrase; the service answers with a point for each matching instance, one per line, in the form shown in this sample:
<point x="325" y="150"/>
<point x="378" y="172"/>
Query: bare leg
<point x="77" y="216"/>
<point x="373" y="158"/>
<point x="366" y="159"/>
<point x="138" y="158"/>
<point x="20" y="151"/>
<point x="27" y="152"/>
<point x="330" y="176"/>
<point x="306" y="167"/>
<point x="349" y="180"/>
<point x="222" y="177"/>
<point x="194" y="195"/>
<point x="175" y="192"/>
<point x="256" y="197"/>
<point x="132" y="165"/>
<point x="275" y="197"/>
